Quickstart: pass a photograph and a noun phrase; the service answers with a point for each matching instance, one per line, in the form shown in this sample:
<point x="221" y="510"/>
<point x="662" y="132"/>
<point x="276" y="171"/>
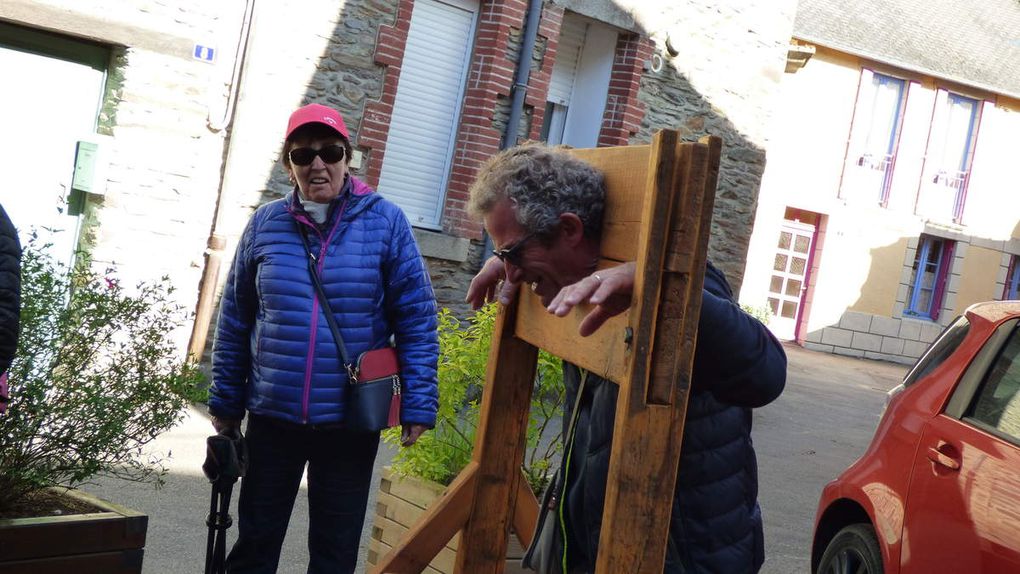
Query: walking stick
<point x="225" y="462"/>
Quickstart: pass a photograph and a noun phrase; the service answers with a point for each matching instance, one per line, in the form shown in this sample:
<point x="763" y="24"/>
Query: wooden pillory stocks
<point x="661" y="194"/>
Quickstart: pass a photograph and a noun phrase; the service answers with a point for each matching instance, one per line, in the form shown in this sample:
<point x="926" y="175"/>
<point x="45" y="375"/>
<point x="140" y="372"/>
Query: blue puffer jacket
<point x="716" y="524"/>
<point x="274" y="353"/>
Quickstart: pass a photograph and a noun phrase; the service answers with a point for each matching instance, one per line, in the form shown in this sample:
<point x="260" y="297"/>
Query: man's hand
<point x="411" y="433"/>
<point x="489" y="283"/>
<point x="222" y="424"/>
<point x="609" y="290"/>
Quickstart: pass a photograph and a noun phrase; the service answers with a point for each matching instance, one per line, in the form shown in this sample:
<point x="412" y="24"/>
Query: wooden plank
<point x="118" y="562"/>
<point x="378" y="549"/>
<point x="441" y="521"/>
<point x="525" y="513"/>
<point x="647" y="439"/>
<point x="116" y="528"/>
<point x="392" y="534"/>
<point x="499" y="447"/>
<point x="418" y="492"/>
<point x="605" y="352"/>
<point x="626" y="170"/>
<point x="404" y="514"/>
<point x="675" y="291"/>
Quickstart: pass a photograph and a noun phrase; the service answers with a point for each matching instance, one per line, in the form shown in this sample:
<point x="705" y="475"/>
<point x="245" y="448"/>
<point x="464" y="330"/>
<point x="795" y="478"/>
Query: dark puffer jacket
<point x="274" y="353"/>
<point x="10" y="290"/>
<point x="716" y="524"/>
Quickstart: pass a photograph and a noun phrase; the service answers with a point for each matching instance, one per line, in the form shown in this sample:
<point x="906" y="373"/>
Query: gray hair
<point x="542" y="183"/>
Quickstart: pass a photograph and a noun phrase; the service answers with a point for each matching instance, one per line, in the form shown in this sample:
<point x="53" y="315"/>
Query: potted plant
<point x="419" y="474"/>
<point x="96" y="377"/>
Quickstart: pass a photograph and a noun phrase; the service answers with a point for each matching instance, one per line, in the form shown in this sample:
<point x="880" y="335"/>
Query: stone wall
<point x="723" y="81"/>
<point x="862" y="335"/>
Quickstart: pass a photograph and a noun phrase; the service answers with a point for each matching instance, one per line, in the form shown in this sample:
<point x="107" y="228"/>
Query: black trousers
<point x="339" y="478"/>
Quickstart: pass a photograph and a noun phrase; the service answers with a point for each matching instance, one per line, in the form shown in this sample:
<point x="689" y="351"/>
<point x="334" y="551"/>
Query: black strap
<point x="330" y="319"/>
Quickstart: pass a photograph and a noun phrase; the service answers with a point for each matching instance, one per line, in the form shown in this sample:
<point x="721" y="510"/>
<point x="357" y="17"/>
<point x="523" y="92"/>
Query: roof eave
<point x="903" y="65"/>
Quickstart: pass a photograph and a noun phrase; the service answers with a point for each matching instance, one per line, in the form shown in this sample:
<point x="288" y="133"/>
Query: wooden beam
<point x="606" y="352"/>
<point x="441" y="522"/>
<point x="652" y="405"/>
<point x="525" y="513"/>
<point x="626" y="172"/>
<point x="499" y="448"/>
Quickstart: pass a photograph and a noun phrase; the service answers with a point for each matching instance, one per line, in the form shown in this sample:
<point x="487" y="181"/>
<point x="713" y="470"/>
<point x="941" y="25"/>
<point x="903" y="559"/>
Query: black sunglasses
<point x="512" y="254"/>
<point x="306" y="155"/>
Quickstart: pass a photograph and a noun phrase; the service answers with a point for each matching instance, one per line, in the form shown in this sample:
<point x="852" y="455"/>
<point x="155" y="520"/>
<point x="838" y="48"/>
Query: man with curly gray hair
<point x="543" y="209"/>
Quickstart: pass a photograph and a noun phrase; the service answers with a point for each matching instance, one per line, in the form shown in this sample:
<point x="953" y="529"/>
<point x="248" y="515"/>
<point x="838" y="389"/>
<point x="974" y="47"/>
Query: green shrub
<point x="96" y="377"/>
<point x="762" y="313"/>
<point x="440" y="454"/>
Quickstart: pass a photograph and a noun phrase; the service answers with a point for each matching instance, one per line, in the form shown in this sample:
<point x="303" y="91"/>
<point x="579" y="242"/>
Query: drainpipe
<point x="520" y="90"/>
<point x="217" y="241"/>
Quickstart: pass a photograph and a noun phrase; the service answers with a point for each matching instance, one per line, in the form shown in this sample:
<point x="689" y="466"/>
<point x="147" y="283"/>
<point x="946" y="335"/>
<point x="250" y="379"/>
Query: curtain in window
<point x="885" y="111"/>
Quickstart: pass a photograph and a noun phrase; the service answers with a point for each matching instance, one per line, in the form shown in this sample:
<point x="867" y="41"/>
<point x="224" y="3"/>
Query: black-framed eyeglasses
<point x="512" y="254"/>
<point x="306" y="155"/>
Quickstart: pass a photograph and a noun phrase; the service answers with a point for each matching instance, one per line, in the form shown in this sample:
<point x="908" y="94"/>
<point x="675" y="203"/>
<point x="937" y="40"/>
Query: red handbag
<point x="374" y="389"/>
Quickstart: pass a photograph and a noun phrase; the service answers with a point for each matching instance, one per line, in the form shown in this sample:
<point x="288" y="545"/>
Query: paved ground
<point x="823" y="421"/>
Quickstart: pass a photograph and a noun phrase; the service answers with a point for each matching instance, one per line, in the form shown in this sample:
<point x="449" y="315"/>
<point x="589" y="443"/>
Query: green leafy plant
<point x="96" y="377"/>
<point x="441" y="453"/>
<point x="762" y="313"/>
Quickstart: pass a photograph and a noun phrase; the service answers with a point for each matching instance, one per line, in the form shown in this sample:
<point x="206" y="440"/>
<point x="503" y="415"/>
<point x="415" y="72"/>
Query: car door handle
<point x="938" y="457"/>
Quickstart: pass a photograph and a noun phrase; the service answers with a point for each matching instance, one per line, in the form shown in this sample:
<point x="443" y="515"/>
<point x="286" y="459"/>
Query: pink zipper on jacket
<point x="320" y="264"/>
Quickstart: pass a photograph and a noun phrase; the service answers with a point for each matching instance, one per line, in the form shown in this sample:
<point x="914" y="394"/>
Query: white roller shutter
<point x="584" y="60"/>
<point x="568" y="54"/>
<point x="423" y="129"/>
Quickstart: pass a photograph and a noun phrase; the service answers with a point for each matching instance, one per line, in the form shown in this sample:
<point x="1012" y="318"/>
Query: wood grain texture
<point x="658" y="213"/>
<point x="441" y="522"/>
<point x="651" y="408"/>
<point x="499" y="447"/>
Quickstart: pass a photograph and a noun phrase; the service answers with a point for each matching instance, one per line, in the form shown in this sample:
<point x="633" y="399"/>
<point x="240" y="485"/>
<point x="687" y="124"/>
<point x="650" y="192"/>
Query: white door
<point x="46" y="105"/>
<point x="788" y="281"/>
<point x="426" y="111"/>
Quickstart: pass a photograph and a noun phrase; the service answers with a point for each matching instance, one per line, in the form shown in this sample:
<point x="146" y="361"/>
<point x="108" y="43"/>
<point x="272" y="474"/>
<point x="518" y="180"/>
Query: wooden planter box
<point x="400" y="503"/>
<point x="111" y="541"/>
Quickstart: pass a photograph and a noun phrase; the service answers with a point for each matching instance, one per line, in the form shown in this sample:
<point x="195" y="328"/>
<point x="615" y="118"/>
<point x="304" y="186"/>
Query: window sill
<point x="442" y="246"/>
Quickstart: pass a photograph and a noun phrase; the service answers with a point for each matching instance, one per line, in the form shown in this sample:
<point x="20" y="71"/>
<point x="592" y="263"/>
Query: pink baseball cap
<point x="317" y="114"/>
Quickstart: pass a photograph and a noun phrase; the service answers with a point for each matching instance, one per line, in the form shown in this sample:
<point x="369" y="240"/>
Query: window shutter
<point x="568" y="55"/>
<point x="426" y="110"/>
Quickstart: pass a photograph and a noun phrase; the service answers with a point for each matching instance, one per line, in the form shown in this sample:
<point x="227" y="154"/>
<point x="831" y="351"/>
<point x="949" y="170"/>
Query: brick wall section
<point x="491" y="75"/>
<point x="624" y="111"/>
<point x="375" y="121"/>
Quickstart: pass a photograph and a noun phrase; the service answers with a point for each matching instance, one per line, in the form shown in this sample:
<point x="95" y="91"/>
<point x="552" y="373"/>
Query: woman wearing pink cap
<point x="276" y="359"/>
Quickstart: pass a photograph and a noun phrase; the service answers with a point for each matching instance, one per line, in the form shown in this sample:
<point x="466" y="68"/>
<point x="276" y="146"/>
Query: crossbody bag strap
<point x="559" y="478"/>
<point x="324" y="303"/>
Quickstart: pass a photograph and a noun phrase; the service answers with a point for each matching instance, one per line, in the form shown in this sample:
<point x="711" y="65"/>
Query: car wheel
<point x="854" y="550"/>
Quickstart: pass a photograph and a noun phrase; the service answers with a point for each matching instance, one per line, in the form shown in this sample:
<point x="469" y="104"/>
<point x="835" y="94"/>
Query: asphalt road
<point x="822" y="422"/>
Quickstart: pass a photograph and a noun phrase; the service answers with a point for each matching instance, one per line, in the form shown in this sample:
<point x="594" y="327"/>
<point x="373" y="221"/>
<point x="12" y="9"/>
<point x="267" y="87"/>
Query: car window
<point x="940" y="350"/>
<point x="997" y="403"/>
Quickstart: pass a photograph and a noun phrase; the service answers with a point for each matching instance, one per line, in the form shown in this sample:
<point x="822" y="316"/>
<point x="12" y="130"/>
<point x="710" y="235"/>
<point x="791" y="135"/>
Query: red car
<point x="938" y="489"/>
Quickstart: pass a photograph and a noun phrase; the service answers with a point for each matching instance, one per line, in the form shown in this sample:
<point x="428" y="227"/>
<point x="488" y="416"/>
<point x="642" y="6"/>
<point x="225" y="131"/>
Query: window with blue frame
<point x="883" y="128"/>
<point x="1012" y="290"/>
<point x="928" y="281"/>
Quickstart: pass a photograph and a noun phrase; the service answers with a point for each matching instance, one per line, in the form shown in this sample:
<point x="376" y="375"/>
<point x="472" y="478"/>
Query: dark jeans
<point x="339" y="477"/>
